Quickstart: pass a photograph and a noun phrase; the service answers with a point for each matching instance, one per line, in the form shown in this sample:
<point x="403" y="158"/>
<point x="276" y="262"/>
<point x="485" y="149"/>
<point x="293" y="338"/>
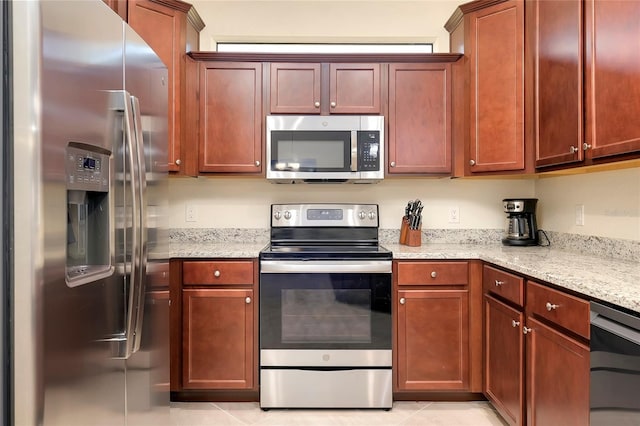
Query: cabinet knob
<point x="586" y="146"/>
<point x="247" y="300"/>
<point x="499" y="283"/>
<point x="333" y="104"/>
<point x="403" y="300"/>
<point x="216" y="273"/>
<point x="526" y="330"/>
<point x="551" y="306"/>
<point x="434" y="274"/>
<point x="573" y="149"/>
<point x="515" y="323"/>
<point x="178" y="161"/>
<point x="393" y="164"/>
<point x="472" y="162"/>
<point x="316" y="104"/>
<point x="257" y="163"/>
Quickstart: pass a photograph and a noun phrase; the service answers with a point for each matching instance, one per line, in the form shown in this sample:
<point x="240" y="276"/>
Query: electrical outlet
<point x="454" y="215"/>
<point x="580" y="214"/>
<point x="190" y="213"/>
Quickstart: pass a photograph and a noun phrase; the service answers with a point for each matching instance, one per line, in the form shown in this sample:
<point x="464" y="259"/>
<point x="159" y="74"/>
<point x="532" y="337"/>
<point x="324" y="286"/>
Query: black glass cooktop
<point x="325" y="252"/>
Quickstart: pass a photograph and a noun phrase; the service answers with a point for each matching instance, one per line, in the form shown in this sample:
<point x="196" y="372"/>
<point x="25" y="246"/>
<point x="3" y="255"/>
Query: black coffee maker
<point x="520" y="228"/>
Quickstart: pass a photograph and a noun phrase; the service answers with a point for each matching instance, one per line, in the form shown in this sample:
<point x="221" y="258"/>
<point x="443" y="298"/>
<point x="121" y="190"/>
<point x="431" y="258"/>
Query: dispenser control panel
<point x="87" y="170"/>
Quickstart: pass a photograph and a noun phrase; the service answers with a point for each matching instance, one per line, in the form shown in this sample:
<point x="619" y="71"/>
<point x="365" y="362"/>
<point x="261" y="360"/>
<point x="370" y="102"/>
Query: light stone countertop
<point x="602" y="278"/>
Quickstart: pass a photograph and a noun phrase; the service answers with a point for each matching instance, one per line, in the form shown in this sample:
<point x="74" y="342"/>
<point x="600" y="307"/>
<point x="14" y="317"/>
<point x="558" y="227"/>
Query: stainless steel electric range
<point x="325" y="309"/>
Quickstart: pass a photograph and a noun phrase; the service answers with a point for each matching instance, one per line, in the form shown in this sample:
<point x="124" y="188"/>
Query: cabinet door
<point x="557" y="377"/>
<point x="119" y="7"/>
<point x="496" y="57"/>
<point x="432" y="340"/>
<point x="354" y="88"/>
<point x="559" y="88"/>
<point x="419" y="118"/>
<point x="161" y="27"/>
<point x="504" y="359"/>
<point x="295" y="88"/>
<point x="612" y="82"/>
<point x="217" y="339"/>
<point x="231" y="117"/>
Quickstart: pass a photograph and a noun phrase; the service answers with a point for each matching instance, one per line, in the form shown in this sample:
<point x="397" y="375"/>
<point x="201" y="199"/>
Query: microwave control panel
<point x="368" y="150"/>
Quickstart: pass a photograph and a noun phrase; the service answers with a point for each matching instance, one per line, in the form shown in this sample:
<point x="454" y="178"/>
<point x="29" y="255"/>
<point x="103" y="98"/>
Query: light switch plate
<point x="580" y="214"/>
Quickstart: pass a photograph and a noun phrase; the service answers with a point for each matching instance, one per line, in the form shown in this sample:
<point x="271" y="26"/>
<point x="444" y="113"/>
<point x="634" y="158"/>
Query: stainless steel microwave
<point x="325" y="149"/>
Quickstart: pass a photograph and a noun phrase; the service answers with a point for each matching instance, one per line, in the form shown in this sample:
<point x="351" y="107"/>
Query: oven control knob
<point x="277" y="215"/>
<point x="362" y="215"/>
<point x="287" y="214"/>
<point x="372" y="215"/>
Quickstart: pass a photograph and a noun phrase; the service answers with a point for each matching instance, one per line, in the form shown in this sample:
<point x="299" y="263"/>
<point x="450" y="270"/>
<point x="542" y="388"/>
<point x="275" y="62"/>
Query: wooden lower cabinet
<point x="504" y="359"/>
<point x="218" y="339"/>
<point x="557" y="377"/>
<point x="433" y="340"/>
<point x="536" y="359"/>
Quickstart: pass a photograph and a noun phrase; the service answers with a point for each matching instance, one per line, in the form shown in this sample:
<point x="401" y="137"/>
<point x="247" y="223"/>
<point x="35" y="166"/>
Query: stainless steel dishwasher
<point x="615" y="367"/>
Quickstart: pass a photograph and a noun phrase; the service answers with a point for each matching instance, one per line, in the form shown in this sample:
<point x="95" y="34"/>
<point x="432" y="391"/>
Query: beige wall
<point x="244" y="203"/>
<point x="611" y="201"/>
<point x="325" y="21"/>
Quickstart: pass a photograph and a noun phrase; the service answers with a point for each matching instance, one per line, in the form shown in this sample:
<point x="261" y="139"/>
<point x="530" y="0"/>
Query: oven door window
<point x="325" y="311"/>
<point x="311" y="151"/>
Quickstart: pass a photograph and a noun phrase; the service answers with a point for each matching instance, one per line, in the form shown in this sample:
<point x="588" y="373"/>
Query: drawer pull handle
<point x="550" y="306"/>
<point x="216" y="273"/>
<point x="526" y="330"/>
<point x="499" y="283"/>
<point x="434" y="274"/>
<point x="403" y="300"/>
<point x="247" y="300"/>
<point x="515" y="323"/>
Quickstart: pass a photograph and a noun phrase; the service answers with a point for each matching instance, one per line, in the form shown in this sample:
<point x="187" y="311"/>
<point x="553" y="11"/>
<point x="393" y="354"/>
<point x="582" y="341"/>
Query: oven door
<point x="325" y="304"/>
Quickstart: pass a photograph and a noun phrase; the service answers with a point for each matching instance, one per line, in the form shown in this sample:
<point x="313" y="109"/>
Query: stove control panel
<point x="324" y="215"/>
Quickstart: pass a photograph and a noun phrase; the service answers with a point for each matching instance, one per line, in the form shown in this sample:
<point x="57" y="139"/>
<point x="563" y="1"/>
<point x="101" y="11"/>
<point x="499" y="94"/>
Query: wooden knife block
<point x="410" y="237"/>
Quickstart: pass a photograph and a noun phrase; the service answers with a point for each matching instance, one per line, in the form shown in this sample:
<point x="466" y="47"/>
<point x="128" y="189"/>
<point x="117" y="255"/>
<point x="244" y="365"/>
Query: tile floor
<point x="403" y="413"/>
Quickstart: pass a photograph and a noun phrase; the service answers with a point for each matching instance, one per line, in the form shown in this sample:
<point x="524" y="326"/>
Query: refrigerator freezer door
<point x="148" y="366"/>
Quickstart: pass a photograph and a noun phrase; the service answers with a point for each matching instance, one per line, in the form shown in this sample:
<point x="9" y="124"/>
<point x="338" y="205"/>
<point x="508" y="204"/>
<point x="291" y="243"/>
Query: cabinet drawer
<point x="217" y="272"/>
<point x="432" y="273"/>
<point x="563" y="309"/>
<point x="504" y="284"/>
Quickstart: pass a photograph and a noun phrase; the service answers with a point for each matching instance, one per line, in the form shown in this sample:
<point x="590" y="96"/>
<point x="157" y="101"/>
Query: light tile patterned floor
<point x="403" y="413"/>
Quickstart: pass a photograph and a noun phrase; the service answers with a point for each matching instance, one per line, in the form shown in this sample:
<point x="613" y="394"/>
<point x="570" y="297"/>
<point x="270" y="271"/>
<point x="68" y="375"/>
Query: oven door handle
<point x="322" y="266"/>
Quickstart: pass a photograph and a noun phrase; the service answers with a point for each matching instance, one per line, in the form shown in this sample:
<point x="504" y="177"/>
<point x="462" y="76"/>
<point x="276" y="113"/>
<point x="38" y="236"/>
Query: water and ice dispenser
<point x="89" y="222"/>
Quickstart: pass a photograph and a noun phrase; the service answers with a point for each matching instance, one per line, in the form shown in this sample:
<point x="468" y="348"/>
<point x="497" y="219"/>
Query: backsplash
<point x="583" y="244"/>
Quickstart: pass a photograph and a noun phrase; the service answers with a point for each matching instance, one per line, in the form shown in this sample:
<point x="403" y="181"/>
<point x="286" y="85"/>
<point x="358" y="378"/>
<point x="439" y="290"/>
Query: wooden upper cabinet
<point x="354" y="88"/>
<point x="319" y="88"/>
<point x="172" y="28"/>
<point x="419" y="138"/>
<point x="494" y="45"/>
<point x="295" y="88"/>
<point x="118" y="6"/>
<point x="612" y="77"/>
<point x="557" y="28"/>
<point x="230" y="117"/>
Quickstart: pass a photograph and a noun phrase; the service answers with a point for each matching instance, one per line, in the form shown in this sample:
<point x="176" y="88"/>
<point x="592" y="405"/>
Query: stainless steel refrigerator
<point x="88" y="296"/>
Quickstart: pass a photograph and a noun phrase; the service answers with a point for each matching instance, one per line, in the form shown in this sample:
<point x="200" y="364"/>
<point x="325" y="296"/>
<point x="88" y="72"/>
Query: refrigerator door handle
<point x="130" y="158"/>
<point x="142" y="222"/>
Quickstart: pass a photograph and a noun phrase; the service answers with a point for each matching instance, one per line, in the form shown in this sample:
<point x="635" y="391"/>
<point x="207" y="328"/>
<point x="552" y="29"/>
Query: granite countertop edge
<point x="596" y="278"/>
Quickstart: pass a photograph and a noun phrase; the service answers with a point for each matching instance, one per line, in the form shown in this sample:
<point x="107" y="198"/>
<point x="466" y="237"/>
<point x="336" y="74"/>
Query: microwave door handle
<point x="354" y="150"/>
